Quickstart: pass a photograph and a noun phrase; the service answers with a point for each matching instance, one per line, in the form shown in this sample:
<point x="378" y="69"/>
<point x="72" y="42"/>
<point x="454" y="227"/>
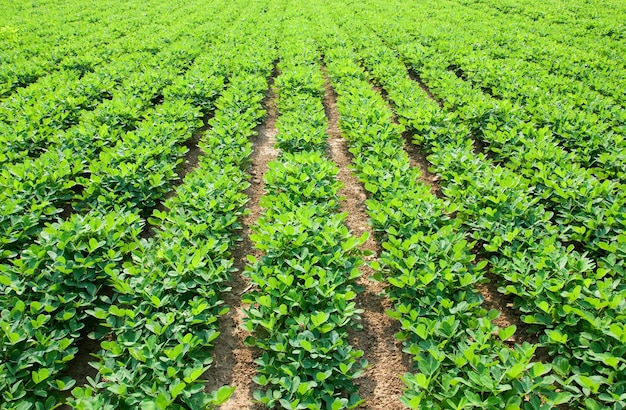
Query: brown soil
<point x="190" y="162"/>
<point x="417" y="159"/>
<point x="380" y="385"/>
<point x="479" y="146"/>
<point x="413" y="75"/>
<point x="192" y="157"/>
<point x="233" y="360"/>
<point x="79" y="368"/>
<point x="508" y="315"/>
<point x="67" y="211"/>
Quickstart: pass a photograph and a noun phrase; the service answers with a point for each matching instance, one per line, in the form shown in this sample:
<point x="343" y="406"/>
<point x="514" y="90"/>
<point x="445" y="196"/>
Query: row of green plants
<point x="462" y="359"/>
<point x="574" y="305"/>
<point x="572" y="41"/>
<point x="97" y="101"/>
<point x="169" y="297"/>
<point x="591" y="211"/>
<point x="303" y="303"/>
<point x="45" y="294"/>
<point x="86" y="276"/>
<point x="37" y="191"/>
<point x="590" y="125"/>
<point x="83" y="39"/>
<point x="36" y="118"/>
<point x="112" y="146"/>
<point x="171" y="293"/>
<point x="31" y="51"/>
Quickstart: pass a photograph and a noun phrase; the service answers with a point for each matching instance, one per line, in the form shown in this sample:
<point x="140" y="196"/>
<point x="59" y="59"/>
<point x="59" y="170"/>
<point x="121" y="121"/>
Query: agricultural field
<point x="253" y="204"/>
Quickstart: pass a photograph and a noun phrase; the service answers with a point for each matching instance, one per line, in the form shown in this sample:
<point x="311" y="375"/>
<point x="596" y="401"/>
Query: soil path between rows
<point x="380" y="386"/>
<point x="233" y="361"/>
<point x="492" y="298"/>
<point x="79" y="368"/>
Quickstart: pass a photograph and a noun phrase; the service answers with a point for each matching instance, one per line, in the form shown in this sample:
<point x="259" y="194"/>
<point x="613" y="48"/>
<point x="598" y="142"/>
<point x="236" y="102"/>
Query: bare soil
<point x="413" y="75"/>
<point x="492" y="298"/>
<point x="233" y="360"/>
<point x="479" y="146"/>
<point x="191" y="161"/>
<point x="79" y="368"/>
<point x="504" y="304"/>
<point x="380" y="385"/>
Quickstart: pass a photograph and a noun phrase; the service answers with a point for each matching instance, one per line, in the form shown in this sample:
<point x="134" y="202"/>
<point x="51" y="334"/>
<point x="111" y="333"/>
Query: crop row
<point x="26" y="59"/>
<point x="580" y="119"/>
<point x="111" y="152"/>
<point x="590" y="129"/>
<point x="74" y="270"/>
<point x="582" y="46"/>
<point x="461" y="355"/>
<point x="36" y="118"/>
<point x="577" y="307"/>
<point x="303" y="303"/>
<point x="81" y="40"/>
<point x="518" y="106"/>
<point x="60" y="276"/>
<point x="169" y="298"/>
<point x="591" y="211"/>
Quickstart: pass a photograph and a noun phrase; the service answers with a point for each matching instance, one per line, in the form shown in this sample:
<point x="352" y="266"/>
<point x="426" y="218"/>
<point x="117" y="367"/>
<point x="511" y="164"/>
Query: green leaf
<point x="306" y="345"/>
<point x="40" y="375"/>
<point x="5" y="280"/>
<point x="543" y="305"/>
<point x="14" y="338"/>
<point x="588" y="383"/>
<point x="557" y="336"/>
<point x="175" y="390"/>
<point x="265" y="300"/>
<point x="224" y="394"/>
<point x="93" y="244"/>
<point x="319" y="318"/>
<point x="371" y="187"/>
<point x="337" y="405"/>
<point x="560" y="398"/>
<point x="422" y="380"/>
<point x="422" y="331"/>
<point x="321" y="376"/>
<point x="162" y="401"/>
<point x="515" y="370"/>
<point x="539" y="369"/>
<point x="506" y="333"/>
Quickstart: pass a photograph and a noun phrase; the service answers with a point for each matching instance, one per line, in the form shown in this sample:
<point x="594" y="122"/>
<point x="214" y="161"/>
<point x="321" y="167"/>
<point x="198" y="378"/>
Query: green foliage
<point x="304" y="298"/>
<point x="518" y="107"/>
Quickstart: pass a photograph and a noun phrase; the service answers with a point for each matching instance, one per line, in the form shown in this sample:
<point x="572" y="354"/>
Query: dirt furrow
<point x="489" y="291"/>
<point x="413" y="75"/>
<point x="79" y="368"/>
<point x="234" y="361"/>
<point x="508" y="315"/>
<point x="380" y="385"/>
